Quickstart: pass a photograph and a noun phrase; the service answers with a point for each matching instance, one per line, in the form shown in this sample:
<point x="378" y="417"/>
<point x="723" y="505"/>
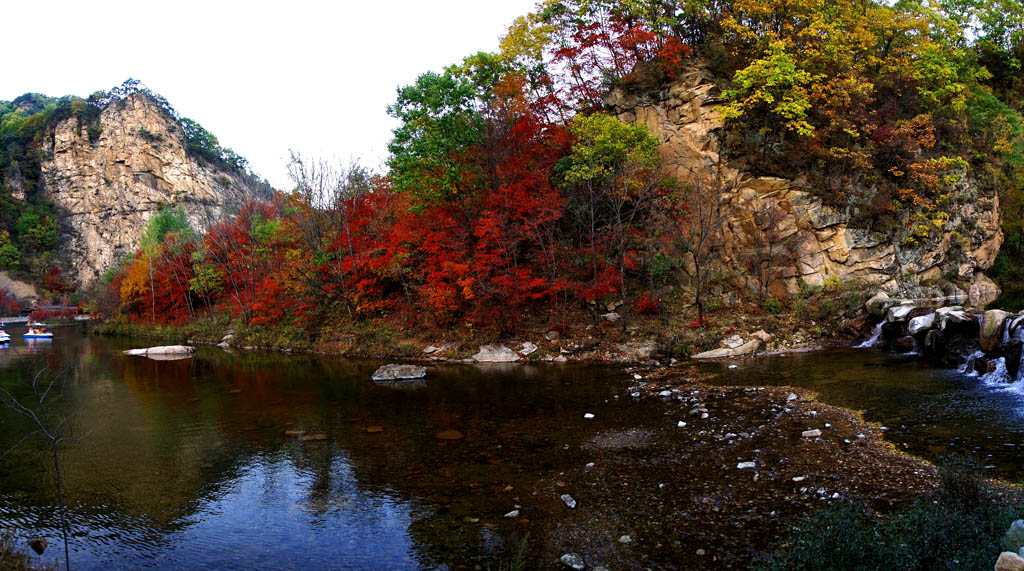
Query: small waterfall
<point x="967" y="367"/>
<point x="870" y="341"/>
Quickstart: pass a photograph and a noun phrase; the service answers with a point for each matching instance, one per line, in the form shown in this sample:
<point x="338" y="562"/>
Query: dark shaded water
<point x="187" y="463"/>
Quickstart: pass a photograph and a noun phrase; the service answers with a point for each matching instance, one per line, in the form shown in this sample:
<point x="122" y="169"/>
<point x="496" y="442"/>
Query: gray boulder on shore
<point x="495" y="354"/>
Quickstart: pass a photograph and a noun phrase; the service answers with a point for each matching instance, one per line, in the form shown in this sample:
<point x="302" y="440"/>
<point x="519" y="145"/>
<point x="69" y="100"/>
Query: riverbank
<point x="725" y="478"/>
<point x="612" y="338"/>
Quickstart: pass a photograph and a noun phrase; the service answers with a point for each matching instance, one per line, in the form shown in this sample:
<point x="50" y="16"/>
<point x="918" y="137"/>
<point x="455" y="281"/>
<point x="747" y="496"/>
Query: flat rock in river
<point x="164" y="353"/>
<point x="395" y="372"/>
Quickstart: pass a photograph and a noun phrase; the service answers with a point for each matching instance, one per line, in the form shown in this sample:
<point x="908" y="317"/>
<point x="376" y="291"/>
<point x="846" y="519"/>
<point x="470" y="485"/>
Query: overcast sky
<point x="264" y="77"/>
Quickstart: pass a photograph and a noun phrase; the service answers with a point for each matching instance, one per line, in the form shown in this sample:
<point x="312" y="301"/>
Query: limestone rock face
<point x="819" y="241"/>
<point x="106" y="190"/>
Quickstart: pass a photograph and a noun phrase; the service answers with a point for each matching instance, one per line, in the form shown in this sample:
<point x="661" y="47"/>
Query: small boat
<point x="4" y="337"/>
<point x="34" y="333"/>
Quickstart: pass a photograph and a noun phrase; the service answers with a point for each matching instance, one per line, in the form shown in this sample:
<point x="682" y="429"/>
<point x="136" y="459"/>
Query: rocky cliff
<point x="814" y="242"/>
<point x="105" y="189"/>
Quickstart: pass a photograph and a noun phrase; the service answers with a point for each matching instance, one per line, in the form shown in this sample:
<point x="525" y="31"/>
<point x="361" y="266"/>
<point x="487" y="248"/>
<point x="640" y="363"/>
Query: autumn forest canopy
<point x="513" y="192"/>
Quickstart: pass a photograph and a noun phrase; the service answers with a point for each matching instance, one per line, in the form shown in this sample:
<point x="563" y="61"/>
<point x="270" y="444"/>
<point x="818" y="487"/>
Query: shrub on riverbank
<point x="11" y="559"/>
<point x="960" y="526"/>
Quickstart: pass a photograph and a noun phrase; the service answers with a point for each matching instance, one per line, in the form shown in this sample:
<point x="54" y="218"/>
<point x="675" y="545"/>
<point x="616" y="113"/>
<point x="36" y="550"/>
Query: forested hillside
<point x="513" y="193"/>
<point x="30" y="218"/>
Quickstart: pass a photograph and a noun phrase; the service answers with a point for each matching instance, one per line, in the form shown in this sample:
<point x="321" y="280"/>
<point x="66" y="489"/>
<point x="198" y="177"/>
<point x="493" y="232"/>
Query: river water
<point x="201" y="463"/>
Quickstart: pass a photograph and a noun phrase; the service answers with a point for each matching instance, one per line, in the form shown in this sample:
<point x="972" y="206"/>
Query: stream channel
<point x="202" y="463"/>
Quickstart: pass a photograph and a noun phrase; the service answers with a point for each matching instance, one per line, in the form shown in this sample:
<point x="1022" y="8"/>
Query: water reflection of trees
<point x="172" y="438"/>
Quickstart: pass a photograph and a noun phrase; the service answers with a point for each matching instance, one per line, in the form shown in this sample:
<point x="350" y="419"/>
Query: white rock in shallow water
<point x="746" y="465"/>
<point x="573" y="561"/>
<point x="681" y="424"/>
<point x="395" y="372"/>
<point x="512" y="514"/>
<point x="527" y="349"/>
<point x="588" y="416"/>
<point x="625" y="539"/>
<point x="665" y="394"/>
<point x="811" y="433"/>
<point x="182" y="351"/>
<point x="791" y="397"/>
<point x="569" y="501"/>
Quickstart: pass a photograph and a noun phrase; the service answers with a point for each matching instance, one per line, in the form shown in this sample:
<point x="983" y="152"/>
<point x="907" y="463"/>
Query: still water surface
<point x="188" y="464"/>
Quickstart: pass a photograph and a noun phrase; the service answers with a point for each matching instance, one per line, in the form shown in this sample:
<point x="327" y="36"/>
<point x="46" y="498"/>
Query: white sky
<point x="264" y="77"/>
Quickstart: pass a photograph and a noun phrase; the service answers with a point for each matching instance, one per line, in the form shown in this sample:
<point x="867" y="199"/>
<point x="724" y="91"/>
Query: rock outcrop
<point x="106" y="189"/>
<point x="821" y="241"/>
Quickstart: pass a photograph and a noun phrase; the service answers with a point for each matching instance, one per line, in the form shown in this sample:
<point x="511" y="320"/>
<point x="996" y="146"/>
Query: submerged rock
<point x="569" y="501"/>
<point x="811" y="433"/>
<point x="395" y="372"/>
<point x="38" y="545"/>
<point x="449" y="434"/>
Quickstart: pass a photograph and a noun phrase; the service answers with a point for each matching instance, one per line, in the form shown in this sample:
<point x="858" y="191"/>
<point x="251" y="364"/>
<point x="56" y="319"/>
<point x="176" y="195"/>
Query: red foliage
<point x="647" y="304"/>
<point x="8" y="303"/>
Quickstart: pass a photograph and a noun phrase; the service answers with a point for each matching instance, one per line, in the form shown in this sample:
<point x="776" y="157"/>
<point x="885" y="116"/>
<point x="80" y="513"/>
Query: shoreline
<point x="686" y="495"/>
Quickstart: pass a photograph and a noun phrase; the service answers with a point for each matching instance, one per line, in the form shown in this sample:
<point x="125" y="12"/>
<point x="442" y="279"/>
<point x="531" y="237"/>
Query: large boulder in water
<point x="921" y="324"/>
<point x="992" y="329"/>
<point x="898" y="313"/>
<point x="399" y="373"/>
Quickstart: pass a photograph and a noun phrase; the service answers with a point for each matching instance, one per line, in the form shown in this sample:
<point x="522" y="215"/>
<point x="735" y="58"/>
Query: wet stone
<point x="572" y="561"/>
<point x="569" y="501"/>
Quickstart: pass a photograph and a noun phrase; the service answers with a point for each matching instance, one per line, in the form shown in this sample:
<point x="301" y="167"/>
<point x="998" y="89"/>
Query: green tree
<point x="433" y="152"/>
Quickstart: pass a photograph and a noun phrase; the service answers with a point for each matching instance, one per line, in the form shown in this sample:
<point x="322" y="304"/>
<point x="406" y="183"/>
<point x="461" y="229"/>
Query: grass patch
<point x="12" y="559"/>
<point x="961" y="526"/>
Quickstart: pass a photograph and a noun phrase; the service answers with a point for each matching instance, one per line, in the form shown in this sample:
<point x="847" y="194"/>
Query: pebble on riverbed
<point x="572" y="561"/>
<point x="569" y="501"/>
